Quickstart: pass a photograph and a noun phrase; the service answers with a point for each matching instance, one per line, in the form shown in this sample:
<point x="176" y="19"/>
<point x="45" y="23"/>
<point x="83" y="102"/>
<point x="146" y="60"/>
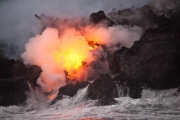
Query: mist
<point x="164" y="6"/>
<point x="18" y="24"/>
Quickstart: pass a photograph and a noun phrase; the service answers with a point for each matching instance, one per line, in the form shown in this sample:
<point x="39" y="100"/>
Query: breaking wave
<point x="155" y="105"/>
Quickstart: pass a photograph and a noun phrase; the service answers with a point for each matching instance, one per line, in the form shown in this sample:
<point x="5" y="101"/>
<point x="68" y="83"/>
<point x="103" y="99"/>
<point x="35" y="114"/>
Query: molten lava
<point x="72" y="52"/>
<point x="93" y="45"/>
<point x="62" y="56"/>
<point x="51" y="97"/>
<point x="72" y="62"/>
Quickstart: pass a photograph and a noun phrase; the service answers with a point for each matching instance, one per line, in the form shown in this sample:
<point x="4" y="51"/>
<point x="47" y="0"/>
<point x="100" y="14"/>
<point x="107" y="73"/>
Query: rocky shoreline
<point x="152" y="62"/>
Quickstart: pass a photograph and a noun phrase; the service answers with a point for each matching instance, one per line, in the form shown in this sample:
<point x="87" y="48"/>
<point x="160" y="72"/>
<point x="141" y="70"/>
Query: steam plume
<point x="18" y="23"/>
<point x="56" y="53"/>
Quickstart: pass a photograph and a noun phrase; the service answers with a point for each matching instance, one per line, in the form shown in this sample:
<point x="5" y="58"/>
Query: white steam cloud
<point x="19" y="26"/>
<point x="55" y="54"/>
<point x="164" y="6"/>
<point x="18" y="23"/>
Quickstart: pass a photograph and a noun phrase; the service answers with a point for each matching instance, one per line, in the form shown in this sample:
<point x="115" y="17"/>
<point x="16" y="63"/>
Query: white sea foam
<point x="154" y="105"/>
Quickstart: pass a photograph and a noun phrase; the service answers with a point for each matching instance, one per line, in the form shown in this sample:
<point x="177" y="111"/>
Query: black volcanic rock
<point x="10" y="69"/>
<point x="14" y="79"/>
<point x="13" y="91"/>
<point x="129" y="85"/>
<point x="102" y="86"/>
<point x="145" y="17"/>
<point x="70" y="90"/>
<point x="103" y="89"/>
<point x="100" y="17"/>
<point x="154" y="60"/>
<point x="157" y="60"/>
<point x="32" y="74"/>
<point x="113" y="60"/>
<point x="142" y="17"/>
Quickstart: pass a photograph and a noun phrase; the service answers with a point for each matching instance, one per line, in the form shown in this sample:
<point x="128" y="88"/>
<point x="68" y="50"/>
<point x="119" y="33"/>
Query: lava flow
<point x="67" y="53"/>
<point x="60" y="56"/>
<point x="73" y="52"/>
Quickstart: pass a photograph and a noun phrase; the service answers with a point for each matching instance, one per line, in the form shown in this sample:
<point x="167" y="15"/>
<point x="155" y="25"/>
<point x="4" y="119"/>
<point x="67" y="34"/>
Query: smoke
<point x="18" y="23"/>
<point x="20" y="28"/>
<point x="56" y="55"/>
<point x="114" y="36"/>
<point x="164" y="6"/>
<point x="71" y="52"/>
<point x="144" y="17"/>
<point x="66" y="49"/>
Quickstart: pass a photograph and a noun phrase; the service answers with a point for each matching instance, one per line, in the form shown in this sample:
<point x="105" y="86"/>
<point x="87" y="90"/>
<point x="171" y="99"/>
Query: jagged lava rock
<point x="155" y="59"/>
<point x="100" y="17"/>
<point x="113" y="60"/>
<point x="103" y="89"/>
<point x="70" y="90"/>
<point x="15" y="68"/>
<point x="32" y="74"/>
<point x="14" y="79"/>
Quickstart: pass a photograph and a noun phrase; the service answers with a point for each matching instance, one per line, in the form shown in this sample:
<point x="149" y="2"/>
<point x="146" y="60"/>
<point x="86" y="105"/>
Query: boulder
<point x="10" y="69"/>
<point x="70" y="90"/>
<point x="128" y="85"/>
<point x="14" y="79"/>
<point x="104" y="90"/>
<point x="100" y="17"/>
<point x="102" y="86"/>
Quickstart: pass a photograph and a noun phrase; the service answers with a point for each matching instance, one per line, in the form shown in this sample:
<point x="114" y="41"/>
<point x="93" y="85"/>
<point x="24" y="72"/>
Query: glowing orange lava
<point x="51" y="97"/>
<point x="72" y="62"/>
<point x="73" y="52"/>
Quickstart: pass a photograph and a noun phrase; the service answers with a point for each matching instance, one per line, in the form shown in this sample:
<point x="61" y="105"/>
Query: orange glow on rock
<point x="73" y="52"/>
<point x="62" y="56"/>
<point x="51" y="97"/>
<point x="72" y="61"/>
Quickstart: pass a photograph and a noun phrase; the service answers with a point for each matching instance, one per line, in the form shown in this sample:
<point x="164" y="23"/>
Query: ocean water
<point x="154" y="105"/>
